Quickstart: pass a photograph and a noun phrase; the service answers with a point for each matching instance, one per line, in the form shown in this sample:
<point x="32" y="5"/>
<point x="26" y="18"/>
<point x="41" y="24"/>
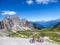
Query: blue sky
<point x="32" y="10"/>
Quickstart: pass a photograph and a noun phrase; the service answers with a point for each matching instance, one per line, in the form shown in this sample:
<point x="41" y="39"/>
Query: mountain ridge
<point x="16" y="24"/>
<point x="47" y="24"/>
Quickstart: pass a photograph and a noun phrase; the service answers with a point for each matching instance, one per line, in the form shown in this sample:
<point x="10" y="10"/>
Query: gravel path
<point x="22" y="41"/>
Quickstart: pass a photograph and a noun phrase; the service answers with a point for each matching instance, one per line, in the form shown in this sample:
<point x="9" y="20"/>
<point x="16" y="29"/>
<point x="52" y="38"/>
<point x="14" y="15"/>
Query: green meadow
<point x="52" y="34"/>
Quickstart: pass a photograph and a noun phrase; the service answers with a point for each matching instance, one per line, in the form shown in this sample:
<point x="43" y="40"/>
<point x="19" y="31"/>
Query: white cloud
<point x="29" y="2"/>
<point x="6" y="12"/>
<point x="41" y="1"/>
<point x="45" y="1"/>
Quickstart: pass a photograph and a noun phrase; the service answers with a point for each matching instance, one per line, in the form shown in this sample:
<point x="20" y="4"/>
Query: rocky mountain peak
<point x="23" y="21"/>
<point x="16" y="24"/>
<point x="7" y="17"/>
<point x="16" y="19"/>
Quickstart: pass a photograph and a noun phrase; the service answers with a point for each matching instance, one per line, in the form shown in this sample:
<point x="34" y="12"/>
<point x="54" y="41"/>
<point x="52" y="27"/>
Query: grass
<point x="37" y="33"/>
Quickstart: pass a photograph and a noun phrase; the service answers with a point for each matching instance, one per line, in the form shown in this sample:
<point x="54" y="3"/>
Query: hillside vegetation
<point x="53" y="34"/>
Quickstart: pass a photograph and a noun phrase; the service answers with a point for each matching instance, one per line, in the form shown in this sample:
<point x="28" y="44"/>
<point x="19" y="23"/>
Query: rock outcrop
<point x="1" y="25"/>
<point x="16" y="24"/>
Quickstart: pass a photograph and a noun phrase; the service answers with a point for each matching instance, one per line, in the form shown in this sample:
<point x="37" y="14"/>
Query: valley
<point x="16" y="28"/>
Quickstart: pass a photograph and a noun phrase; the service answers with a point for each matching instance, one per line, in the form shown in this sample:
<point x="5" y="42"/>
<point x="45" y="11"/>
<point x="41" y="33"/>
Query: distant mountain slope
<point x="37" y="26"/>
<point x="48" y="24"/>
<point x="56" y="27"/>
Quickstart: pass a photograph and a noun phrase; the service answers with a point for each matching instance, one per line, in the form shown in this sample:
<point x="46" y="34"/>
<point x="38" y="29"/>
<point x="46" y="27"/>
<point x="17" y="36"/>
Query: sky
<point x="32" y="10"/>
